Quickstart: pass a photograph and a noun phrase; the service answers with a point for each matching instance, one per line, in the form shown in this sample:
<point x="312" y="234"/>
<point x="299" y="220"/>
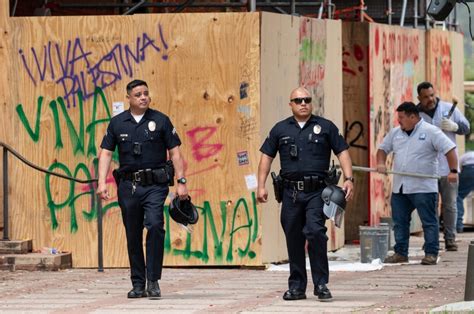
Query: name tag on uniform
<point x="123" y="137"/>
<point x="399" y="137"/>
<point x="422" y="137"/>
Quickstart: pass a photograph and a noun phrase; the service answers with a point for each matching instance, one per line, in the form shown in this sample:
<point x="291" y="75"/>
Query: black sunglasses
<point x="299" y="101"/>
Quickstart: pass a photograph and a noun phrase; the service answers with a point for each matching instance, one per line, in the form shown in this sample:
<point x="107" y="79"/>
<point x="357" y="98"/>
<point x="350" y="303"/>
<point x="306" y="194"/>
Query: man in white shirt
<point x="415" y="145"/>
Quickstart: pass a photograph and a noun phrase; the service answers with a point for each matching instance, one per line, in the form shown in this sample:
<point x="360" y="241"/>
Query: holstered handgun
<point x="333" y="175"/>
<point x="277" y="187"/>
<point x="169" y="167"/>
<point x="116" y="176"/>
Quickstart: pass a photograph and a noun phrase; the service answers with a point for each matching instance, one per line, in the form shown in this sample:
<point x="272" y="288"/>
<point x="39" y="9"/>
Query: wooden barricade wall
<point x="205" y="71"/>
<point x="355" y="71"/>
<point x="279" y="73"/>
<point x="397" y="65"/>
<point x="297" y="51"/>
<point x="4" y="88"/>
<point x="445" y="57"/>
<point x="403" y="69"/>
<point x="202" y="70"/>
<point x="457" y="45"/>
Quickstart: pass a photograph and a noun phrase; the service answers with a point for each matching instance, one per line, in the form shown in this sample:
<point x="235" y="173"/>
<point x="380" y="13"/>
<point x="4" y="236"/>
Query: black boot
<point x="323" y="293"/>
<point x="153" y="290"/>
<point x="137" y="292"/>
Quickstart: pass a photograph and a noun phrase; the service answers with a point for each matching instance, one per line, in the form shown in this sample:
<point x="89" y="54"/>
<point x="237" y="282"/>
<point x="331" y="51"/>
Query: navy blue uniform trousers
<point x="302" y="219"/>
<point x="144" y="208"/>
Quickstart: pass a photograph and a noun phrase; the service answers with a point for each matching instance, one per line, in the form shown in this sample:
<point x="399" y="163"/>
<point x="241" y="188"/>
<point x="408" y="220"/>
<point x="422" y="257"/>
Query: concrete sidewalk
<point x="400" y="288"/>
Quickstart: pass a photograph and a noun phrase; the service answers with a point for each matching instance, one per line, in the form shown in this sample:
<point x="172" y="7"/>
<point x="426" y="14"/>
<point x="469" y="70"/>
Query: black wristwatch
<point x="453" y="170"/>
<point x="182" y="180"/>
<point x="350" y="179"/>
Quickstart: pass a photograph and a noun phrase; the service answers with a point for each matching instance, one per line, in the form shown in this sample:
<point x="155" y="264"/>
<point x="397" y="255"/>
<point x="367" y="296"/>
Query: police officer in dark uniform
<point x="144" y="137"/>
<point x="304" y="142"/>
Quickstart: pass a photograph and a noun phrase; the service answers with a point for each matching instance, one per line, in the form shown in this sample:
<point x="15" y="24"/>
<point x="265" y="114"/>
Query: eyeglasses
<point x="299" y="101"/>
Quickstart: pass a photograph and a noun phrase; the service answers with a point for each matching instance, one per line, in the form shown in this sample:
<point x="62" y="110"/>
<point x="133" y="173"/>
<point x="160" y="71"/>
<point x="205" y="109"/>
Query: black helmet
<point x="334" y="199"/>
<point x="183" y="211"/>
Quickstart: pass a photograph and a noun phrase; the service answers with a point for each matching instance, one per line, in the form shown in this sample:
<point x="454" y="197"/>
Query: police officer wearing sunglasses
<point x="304" y="142"/>
<point x="144" y="137"/>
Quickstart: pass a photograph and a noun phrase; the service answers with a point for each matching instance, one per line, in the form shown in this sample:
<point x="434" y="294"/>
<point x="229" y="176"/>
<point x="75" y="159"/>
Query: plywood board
<point x="202" y="70"/>
<point x="439" y="62"/>
<point x="355" y="71"/>
<point x="279" y="75"/>
<point x="298" y="51"/>
<point x="457" y="45"/>
<point x="56" y="128"/>
<point x="319" y="71"/>
<point x="333" y="104"/>
<point x="396" y="66"/>
<point x="5" y="39"/>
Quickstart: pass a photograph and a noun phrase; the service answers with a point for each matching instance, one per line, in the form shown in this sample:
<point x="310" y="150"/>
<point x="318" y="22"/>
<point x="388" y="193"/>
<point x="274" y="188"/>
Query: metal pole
<point x="100" y="248"/>
<point x="410" y="174"/>
<point x="292" y="7"/>
<point x="5" y="194"/>
<point x="427" y="18"/>
<point x="404" y="10"/>
<point x="389" y="11"/>
<point x="134" y="8"/>
<point x="253" y="5"/>
<point x="469" y="290"/>
<point x="455" y="18"/>
<point x="415" y="14"/>
<point x="329" y="9"/>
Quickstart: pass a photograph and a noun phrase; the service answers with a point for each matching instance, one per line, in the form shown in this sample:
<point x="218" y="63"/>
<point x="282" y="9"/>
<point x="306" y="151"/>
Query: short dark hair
<point x="423" y="85"/>
<point x="409" y="108"/>
<point x="134" y="84"/>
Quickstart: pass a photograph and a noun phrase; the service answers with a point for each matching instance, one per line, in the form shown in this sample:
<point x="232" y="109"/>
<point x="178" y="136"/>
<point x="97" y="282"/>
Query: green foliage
<point x="469" y="113"/>
<point x="468" y="70"/>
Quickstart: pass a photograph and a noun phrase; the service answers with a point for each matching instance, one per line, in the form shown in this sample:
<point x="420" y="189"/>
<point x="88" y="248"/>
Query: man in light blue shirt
<point x="415" y="145"/>
<point x="451" y="121"/>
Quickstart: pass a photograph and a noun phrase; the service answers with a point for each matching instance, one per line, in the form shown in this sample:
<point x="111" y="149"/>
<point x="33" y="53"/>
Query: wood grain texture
<point x="355" y="72"/>
<point x="279" y="75"/>
<point x="202" y="70"/>
<point x="396" y="66"/>
<point x="457" y="45"/>
<point x="5" y="39"/>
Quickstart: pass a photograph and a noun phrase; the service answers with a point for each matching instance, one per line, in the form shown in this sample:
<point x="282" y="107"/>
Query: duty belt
<point x="309" y="185"/>
<point x="134" y="176"/>
<point x="146" y="176"/>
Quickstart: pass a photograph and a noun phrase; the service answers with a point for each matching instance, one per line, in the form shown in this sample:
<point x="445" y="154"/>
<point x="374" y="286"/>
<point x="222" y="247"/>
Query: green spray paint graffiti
<point x="223" y="241"/>
<point x="249" y="230"/>
<point x="312" y="51"/>
<point x="77" y="139"/>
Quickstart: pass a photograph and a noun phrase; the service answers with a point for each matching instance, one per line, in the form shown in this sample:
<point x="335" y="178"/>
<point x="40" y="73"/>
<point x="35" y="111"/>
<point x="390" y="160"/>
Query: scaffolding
<point x="403" y="12"/>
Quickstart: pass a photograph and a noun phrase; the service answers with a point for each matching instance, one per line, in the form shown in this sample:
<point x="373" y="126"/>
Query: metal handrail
<point x="7" y="148"/>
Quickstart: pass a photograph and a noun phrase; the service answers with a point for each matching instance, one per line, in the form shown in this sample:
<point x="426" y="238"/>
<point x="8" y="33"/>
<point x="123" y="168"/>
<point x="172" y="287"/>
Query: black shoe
<point x="323" y="293"/>
<point x="137" y="292"/>
<point x="153" y="290"/>
<point x="294" y="294"/>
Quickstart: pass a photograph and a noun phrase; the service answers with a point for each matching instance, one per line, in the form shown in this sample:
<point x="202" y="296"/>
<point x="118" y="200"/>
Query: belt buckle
<point x="136" y="176"/>
<point x="300" y="185"/>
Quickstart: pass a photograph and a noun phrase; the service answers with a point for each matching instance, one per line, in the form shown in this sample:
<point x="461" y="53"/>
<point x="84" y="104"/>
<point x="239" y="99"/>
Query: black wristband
<point x="350" y="179"/>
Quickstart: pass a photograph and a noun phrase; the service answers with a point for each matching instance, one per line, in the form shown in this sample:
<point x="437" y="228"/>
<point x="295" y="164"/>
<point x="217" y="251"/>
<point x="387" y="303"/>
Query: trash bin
<point x="373" y="242"/>
<point x="391" y="238"/>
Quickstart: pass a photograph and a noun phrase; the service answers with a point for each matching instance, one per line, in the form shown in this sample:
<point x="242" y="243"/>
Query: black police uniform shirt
<point x="141" y="145"/>
<point x="304" y="151"/>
